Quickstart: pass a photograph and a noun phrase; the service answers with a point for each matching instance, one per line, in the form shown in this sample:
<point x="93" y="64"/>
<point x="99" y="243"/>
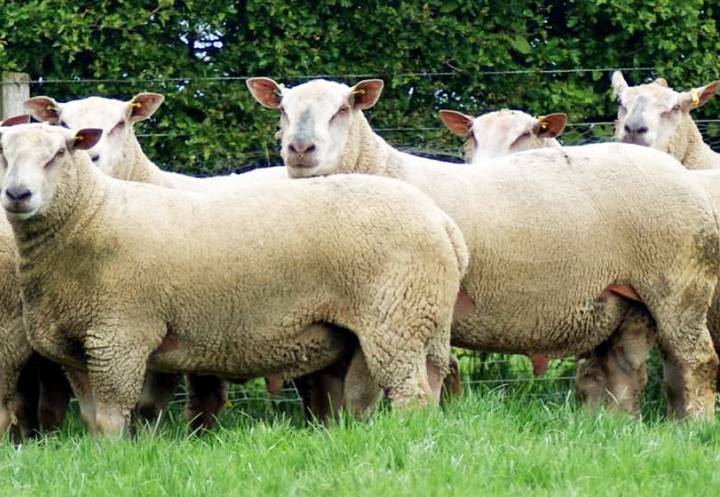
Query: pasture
<point x="481" y="445"/>
<point x="495" y="440"/>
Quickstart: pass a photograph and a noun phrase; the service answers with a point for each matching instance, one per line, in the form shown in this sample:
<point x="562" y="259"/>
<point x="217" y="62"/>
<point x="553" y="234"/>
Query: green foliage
<point x="215" y="126"/>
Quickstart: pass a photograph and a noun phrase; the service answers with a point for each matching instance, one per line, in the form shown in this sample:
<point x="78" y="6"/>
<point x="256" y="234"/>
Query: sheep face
<point x="316" y="119"/>
<point x="649" y="114"/>
<point x="114" y="117"/>
<point x="500" y="133"/>
<point x="32" y="156"/>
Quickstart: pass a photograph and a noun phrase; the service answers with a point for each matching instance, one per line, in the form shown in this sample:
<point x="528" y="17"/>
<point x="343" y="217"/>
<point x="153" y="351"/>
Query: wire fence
<point x="478" y="370"/>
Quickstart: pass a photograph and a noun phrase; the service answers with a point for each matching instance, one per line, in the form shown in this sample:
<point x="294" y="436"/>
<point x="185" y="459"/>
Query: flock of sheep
<point x="354" y="267"/>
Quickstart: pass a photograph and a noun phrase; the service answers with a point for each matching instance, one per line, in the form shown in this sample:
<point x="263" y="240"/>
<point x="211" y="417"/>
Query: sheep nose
<point x="302" y="147"/>
<point x="18" y="194"/>
<point x="636" y="130"/>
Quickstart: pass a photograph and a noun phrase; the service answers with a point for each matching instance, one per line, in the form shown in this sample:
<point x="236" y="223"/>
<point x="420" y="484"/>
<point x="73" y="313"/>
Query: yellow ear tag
<point x="136" y="105"/>
<point x="695" y="97"/>
<point x="78" y="138"/>
<point x="51" y="107"/>
<point x="543" y="123"/>
<point x="358" y="92"/>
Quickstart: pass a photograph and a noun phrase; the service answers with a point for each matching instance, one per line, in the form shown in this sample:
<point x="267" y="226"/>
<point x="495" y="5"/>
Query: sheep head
<point x="503" y="132"/>
<point x="114" y="117"/>
<point x="649" y="114"/>
<point x="31" y="157"/>
<point x="316" y="119"/>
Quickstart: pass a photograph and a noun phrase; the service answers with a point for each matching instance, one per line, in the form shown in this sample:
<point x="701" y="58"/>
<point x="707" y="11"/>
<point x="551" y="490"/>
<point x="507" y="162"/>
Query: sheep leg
<point x="80" y="385"/>
<point x="689" y="385"/>
<point x="591" y="379"/>
<point x="361" y="391"/>
<point x="615" y="373"/>
<point x="438" y="360"/>
<point x="452" y="384"/>
<point x="627" y="362"/>
<point x="116" y="367"/>
<point x="25" y="403"/>
<point x="322" y="393"/>
<point x="206" y="398"/>
<point x="15" y="353"/>
<point x="690" y="361"/>
<point x="158" y="390"/>
<point x="401" y="372"/>
<point x="54" y="395"/>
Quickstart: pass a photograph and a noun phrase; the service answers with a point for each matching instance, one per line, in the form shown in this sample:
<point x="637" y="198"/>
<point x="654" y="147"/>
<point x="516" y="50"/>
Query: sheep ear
<point x="551" y="125"/>
<point x="696" y="97"/>
<point x="43" y="109"/>
<point x="15" y="120"/>
<point x="618" y="83"/>
<point x="84" y="139"/>
<point x="144" y="105"/>
<point x="661" y="82"/>
<point x="366" y="93"/>
<point x="266" y="91"/>
<point x="457" y="122"/>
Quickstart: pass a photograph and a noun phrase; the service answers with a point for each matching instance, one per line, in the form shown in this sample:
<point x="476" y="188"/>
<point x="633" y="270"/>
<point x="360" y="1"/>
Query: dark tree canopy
<point x="214" y="125"/>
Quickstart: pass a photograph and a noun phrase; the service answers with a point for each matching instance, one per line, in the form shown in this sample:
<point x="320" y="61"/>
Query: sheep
<point x="107" y="298"/>
<point x="119" y="154"/>
<point x="33" y="390"/>
<point x="503" y="132"/>
<point x="656" y="116"/>
<point x="561" y="240"/>
<point x="613" y="374"/>
<point x="500" y="133"/>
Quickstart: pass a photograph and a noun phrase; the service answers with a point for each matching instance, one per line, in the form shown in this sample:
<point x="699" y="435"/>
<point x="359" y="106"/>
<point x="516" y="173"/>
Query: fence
<point x="479" y="369"/>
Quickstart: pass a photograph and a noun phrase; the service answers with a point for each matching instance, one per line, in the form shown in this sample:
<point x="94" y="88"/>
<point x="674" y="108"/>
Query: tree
<point x="209" y="125"/>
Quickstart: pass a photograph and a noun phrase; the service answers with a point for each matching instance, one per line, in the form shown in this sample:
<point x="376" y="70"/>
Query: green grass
<point x="491" y="442"/>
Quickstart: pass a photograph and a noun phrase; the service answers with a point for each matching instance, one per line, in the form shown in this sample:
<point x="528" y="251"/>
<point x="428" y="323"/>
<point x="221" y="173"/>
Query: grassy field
<point x="493" y="441"/>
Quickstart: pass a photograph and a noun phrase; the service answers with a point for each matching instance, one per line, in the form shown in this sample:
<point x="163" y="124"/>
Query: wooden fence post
<point x="14" y="90"/>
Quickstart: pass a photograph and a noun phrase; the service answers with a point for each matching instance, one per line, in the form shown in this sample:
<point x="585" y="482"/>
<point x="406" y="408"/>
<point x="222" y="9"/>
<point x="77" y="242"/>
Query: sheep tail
<point x="459" y="247"/>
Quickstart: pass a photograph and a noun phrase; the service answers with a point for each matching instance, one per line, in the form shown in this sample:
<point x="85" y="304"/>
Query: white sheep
<point x="561" y="240"/>
<point x="499" y="133"/>
<point x="34" y="394"/>
<point x="657" y="116"/>
<point x="118" y="153"/>
<point x="106" y="295"/>
<point x="503" y="132"/>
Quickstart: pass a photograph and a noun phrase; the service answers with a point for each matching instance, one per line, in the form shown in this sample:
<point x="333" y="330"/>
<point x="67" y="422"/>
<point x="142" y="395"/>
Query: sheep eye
<point x="521" y="138"/>
<point x="118" y="126"/>
<point x="341" y="112"/>
<point x="676" y="108"/>
<point x="64" y="124"/>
